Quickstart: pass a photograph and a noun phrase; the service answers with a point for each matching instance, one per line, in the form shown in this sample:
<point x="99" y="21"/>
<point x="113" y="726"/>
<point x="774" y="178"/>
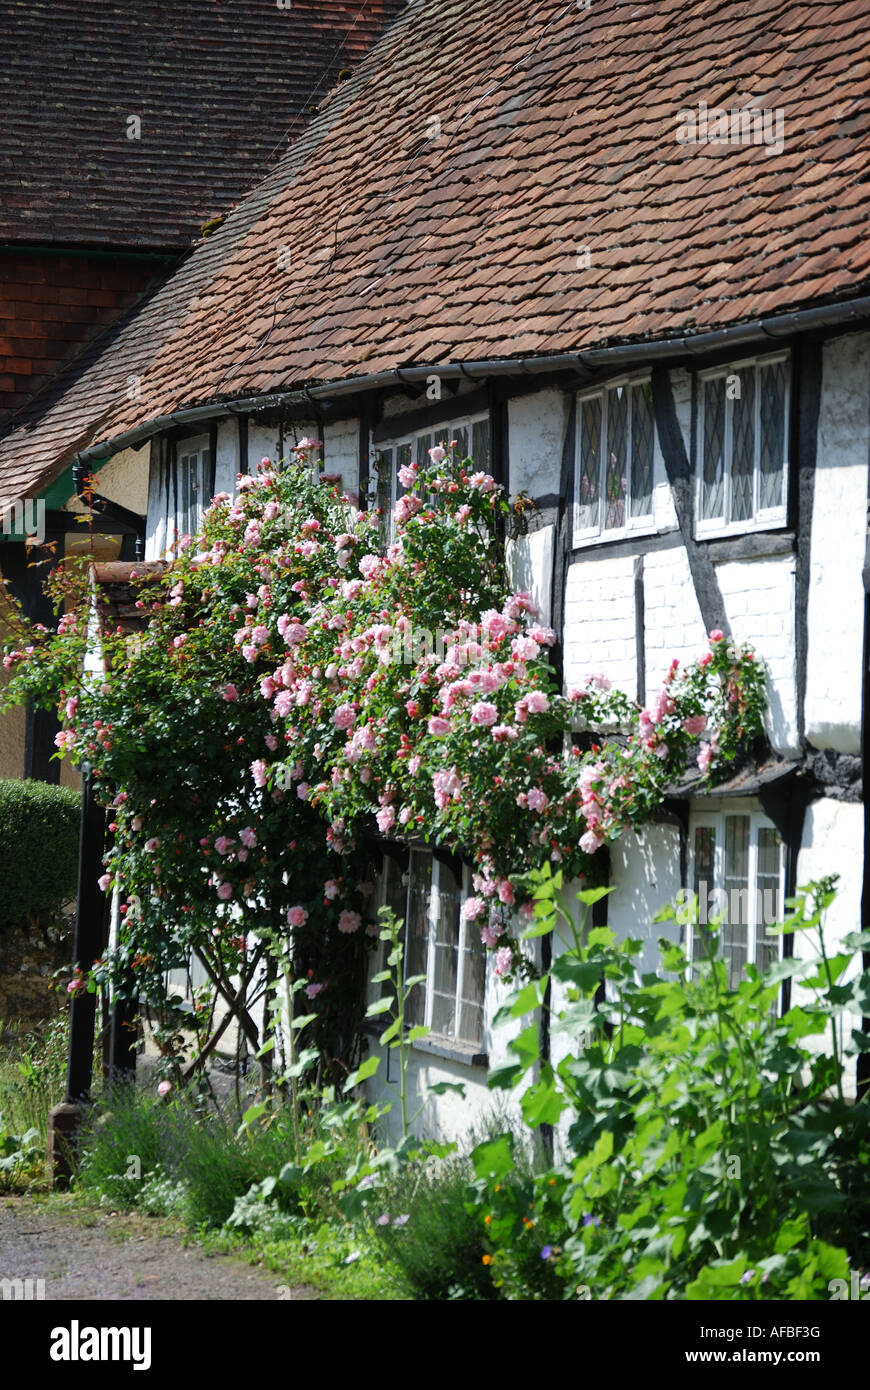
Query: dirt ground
<point x="87" y="1254"/>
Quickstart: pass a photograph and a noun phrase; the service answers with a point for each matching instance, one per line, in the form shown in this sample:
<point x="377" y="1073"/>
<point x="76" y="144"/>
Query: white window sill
<point x="582" y="540"/>
<point x="713" y="531"/>
<point x="469" y="1054"/>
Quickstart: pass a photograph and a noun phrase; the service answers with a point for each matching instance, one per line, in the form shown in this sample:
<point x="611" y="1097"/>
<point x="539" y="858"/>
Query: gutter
<point x="780" y="326"/>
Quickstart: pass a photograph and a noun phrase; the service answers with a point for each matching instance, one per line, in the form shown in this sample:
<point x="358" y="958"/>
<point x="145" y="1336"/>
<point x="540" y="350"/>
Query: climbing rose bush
<point x="304" y="688"/>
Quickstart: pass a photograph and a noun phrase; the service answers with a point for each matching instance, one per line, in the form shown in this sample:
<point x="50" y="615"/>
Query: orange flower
<point x="487" y="1259"/>
<point x="487" y="1220"/>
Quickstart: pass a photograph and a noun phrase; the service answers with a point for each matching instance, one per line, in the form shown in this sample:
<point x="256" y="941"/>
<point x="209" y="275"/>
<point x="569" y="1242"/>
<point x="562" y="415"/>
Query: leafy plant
<point x="709" y="1148"/>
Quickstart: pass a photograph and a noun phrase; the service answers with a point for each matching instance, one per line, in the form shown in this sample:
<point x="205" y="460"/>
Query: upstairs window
<point x="615" y="461"/>
<point x="738" y="874"/>
<point x="742" y="446"/>
<point x="473" y="440"/>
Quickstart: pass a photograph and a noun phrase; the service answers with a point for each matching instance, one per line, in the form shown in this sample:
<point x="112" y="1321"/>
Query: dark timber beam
<point x="681" y="481"/>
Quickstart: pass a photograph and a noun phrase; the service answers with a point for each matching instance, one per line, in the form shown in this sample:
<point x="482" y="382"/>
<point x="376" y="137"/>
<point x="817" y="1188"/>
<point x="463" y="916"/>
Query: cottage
<point x="498" y="232"/>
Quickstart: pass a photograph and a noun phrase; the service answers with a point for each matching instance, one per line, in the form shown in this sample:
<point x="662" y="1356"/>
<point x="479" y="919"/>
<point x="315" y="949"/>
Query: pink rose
<point x="349" y="921"/>
<point x="313" y="990"/>
<point x="438" y="726"/>
<point x="591" y="841"/>
<point x="344" y="717"/>
<point x="695" y="724"/>
<point x="297" y="917"/>
<point x="164" y="1088"/>
<point x="386" y="819"/>
<point x="503" y="961"/>
<point x="705" y="757"/>
<point x="484" y="713"/>
<point x="225" y="891"/>
<point x="104" y="882"/>
<point x="330" y="889"/>
<point x="716" y="634"/>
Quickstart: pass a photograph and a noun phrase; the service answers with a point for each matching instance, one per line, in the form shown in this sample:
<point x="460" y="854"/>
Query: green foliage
<point x="20" y="1155"/>
<point x="39" y="838"/>
<point x="422" y="1223"/>
<point x="709" y="1149"/>
<point x="33" y="1073"/>
<point x="177" y="1156"/>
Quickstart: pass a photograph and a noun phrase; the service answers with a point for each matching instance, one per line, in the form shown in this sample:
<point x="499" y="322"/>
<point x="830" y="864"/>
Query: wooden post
<point x="89" y="943"/>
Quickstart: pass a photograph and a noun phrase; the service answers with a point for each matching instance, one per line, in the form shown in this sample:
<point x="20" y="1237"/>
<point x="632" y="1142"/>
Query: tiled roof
<point x="377" y="244"/>
<point x="220" y="88"/>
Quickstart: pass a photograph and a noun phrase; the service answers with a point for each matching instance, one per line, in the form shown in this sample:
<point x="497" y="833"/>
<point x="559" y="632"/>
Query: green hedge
<point x="39" y="843"/>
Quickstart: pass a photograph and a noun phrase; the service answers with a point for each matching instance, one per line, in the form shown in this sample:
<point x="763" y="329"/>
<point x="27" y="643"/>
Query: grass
<point x="32" y="1074"/>
<point x="339" y="1263"/>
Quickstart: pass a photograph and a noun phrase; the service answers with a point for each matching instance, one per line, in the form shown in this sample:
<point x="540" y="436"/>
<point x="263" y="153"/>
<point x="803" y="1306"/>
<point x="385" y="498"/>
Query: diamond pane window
<point x="772" y="392"/>
<point x="615" y="460"/>
<point x="742" y="445"/>
<point x="590" y="462"/>
<point x="712" y="487"/>
<point x="642" y="450"/>
<point x="617" y="449"/>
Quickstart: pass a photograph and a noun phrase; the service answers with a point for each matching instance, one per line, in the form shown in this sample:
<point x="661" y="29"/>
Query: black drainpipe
<point x="862" y="1071"/>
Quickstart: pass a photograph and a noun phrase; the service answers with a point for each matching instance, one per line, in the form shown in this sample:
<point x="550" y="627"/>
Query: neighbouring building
<point x="128" y="132"/>
<point x="621" y="254"/>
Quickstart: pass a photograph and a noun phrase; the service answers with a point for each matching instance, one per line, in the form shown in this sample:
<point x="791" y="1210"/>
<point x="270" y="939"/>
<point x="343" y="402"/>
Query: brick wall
<point x="52" y="305"/>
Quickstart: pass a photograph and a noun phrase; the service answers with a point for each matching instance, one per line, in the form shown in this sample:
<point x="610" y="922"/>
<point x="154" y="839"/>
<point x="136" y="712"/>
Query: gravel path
<point x="87" y="1254"/>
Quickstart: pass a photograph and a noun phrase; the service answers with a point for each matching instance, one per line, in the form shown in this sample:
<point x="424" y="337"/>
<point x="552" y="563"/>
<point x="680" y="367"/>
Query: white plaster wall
<point x="759" y="597"/>
<point x="836" y="597"/>
<point x="529" y="562"/>
<point x="600" y="622"/>
<point x="645" y="869"/>
<point x="263" y="442"/>
<point x="226" y="457"/>
<point x="537" y="426"/>
<point x="833" y="842"/>
<point x="672" y="619"/>
<point x="341" y="452"/>
<point x="124" y="479"/>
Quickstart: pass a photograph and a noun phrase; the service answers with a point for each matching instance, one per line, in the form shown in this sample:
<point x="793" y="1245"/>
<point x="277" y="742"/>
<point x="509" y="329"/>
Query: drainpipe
<point x="862" y="1071"/>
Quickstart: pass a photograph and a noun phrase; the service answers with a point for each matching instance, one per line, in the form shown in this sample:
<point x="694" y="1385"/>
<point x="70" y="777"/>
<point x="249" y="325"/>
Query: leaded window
<point x="615" y="460"/>
<point x="742" y="444"/>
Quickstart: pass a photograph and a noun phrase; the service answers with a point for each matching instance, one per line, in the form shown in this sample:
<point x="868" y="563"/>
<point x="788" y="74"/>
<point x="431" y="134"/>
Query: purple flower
<point x="402" y="1220"/>
<point x="546" y="1252"/>
<point x="590" y="1220"/>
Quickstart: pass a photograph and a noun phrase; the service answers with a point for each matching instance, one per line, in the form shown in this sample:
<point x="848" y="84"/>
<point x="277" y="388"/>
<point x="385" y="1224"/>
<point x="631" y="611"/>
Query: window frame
<point x="445" y="431"/>
<point x="762" y="518"/>
<point x="642" y="525"/>
<point x="437" y="866"/>
<point x="716" y="821"/>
